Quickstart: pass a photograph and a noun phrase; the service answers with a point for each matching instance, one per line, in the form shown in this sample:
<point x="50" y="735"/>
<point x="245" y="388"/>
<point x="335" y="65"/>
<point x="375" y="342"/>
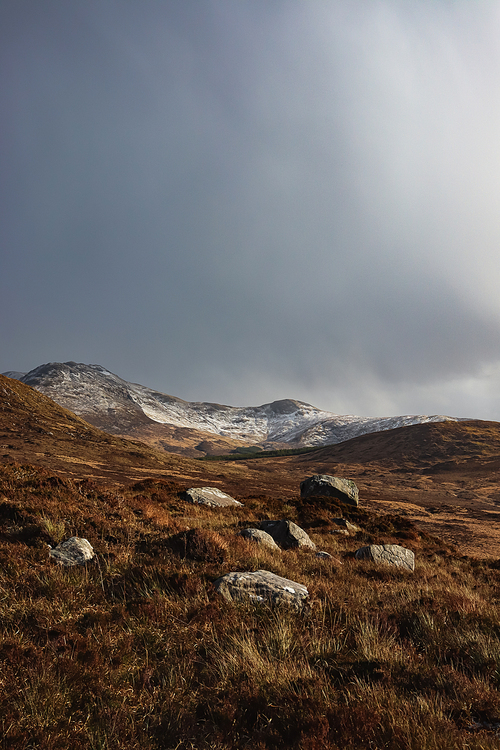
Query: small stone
<point x="287" y="534"/>
<point x="74" y="551"/>
<point x="346" y="524"/>
<point x="261" y="586"/>
<point x="324" y="485"/>
<point x="210" y="496"/>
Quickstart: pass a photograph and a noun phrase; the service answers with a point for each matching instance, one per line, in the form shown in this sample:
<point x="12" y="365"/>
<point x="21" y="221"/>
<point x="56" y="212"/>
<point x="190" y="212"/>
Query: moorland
<point x="136" y="649"/>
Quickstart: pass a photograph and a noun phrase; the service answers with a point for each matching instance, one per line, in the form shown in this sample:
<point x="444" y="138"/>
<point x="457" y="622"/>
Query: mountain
<point x="196" y="428"/>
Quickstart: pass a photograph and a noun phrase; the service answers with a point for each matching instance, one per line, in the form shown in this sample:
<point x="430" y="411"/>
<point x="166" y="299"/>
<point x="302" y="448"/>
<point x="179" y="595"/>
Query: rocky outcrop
<point x="261" y="586"/>
<point x="324" y="485"/>
<point x="392" y="554"/>
<point x="287" y="534"/>
<point x="74" y="551"/>
<point x="211" y="496"/>
<point x="259" y="536"/>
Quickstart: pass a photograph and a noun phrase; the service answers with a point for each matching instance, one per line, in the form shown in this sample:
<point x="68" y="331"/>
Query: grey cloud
<point x="247" y="201"/>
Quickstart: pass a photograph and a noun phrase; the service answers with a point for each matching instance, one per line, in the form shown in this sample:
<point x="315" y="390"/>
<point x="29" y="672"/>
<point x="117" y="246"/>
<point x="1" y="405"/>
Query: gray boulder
<point x="74" y="551"/>
<point x="211" y="496"/>
<point x="323" y="485"/>
<point x="392" y="554"/>
<point x="261" y="586"/>
<point x="287" y="534"/>
<point x="261" y="537"/>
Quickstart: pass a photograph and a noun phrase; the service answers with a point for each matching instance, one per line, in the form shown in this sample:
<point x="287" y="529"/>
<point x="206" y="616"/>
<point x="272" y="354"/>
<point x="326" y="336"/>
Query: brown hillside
<point x="434" y="446"/>
<point x="34" y="429"/>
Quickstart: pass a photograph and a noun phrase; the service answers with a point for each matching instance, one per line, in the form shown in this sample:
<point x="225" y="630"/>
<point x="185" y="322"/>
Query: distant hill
<point x="197" y="428"/>
<point x="430" y="447"/>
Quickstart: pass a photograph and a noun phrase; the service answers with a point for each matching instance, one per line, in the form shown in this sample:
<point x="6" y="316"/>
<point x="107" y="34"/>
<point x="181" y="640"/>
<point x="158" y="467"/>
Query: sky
<point x="244" y="201"/>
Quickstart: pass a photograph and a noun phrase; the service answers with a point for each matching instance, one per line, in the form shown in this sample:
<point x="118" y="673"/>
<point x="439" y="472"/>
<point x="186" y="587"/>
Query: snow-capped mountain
<point x="120" y="407"/>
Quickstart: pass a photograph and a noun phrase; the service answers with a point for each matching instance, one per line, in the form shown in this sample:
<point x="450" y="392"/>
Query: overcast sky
<point x="246" y="200"/>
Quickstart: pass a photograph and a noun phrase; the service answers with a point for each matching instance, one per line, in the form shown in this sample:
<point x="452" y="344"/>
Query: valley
<point x="443" y="475"/>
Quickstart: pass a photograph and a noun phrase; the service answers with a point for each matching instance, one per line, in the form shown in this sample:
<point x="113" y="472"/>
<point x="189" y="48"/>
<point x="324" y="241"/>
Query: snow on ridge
<point x="338" y="430"/>
<point x="246" y="423"/>
<point x="14" y="374"/>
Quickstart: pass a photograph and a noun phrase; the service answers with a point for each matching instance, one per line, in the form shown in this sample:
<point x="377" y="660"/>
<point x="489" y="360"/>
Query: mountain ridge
<point x="133" y="410"/>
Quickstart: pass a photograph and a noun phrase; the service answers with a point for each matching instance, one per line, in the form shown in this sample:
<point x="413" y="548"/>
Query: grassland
<point x="136" y="650"/>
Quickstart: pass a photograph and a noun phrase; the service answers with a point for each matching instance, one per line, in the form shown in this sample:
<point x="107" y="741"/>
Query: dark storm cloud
<point x="247" y="201"/>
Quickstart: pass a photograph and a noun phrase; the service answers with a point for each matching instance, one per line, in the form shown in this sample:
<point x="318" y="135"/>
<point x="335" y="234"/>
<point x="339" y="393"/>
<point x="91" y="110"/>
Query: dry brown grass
<point x="137" y="650"/>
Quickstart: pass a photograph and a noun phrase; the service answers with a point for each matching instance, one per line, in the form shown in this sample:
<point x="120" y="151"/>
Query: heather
<point x="137" y="650"/>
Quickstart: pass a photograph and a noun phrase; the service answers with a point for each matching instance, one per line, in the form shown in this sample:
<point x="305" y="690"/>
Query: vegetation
<point x="256" y="452"/>
<point x="136" y="650"/>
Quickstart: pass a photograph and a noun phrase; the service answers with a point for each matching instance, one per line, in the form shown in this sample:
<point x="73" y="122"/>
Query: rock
<point x="392" y="554"/>
<point x="325" y="555"/>
<point x="259" y="536"/>
<point x="209" y="496"/>
<point x="74" y="551"/>
<point x="351" y="527"/>
<point x="323" y="485"/>
<point x="261" y="586"/>
<point x="340" y="531"/>
<point x="287" y="534"/>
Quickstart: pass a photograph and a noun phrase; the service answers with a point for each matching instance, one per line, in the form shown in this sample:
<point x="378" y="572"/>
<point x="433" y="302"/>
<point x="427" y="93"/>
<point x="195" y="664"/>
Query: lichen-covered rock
<point x="287" y="534"/>
<point x="261" y="586"/>
<point x="392" y="554"/>
<point x="259" y="536"/>
<point x="209" y="496"/>
<point x="324" y="485"/>
<point x="74" y="551"/>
